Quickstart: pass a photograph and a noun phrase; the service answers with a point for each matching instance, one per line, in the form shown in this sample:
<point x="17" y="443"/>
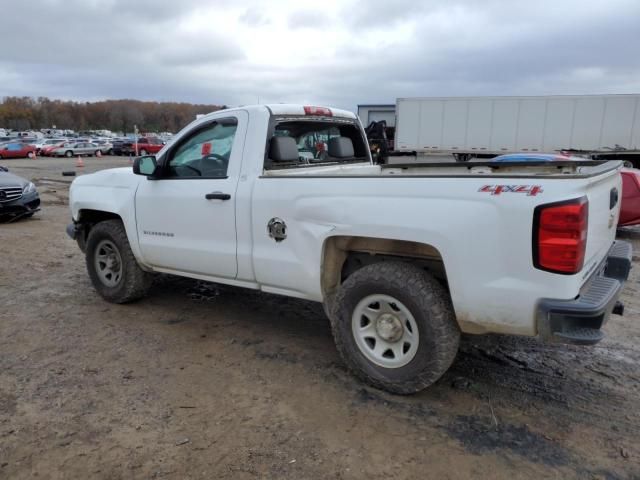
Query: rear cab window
<point x="299" y="142"/>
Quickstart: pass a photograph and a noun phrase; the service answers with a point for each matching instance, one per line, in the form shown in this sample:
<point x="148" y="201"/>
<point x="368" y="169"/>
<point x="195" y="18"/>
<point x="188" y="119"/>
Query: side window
<point x="205" y="153"/>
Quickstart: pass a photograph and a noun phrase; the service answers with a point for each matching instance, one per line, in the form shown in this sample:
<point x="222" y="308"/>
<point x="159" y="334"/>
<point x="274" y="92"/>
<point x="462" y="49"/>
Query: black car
<point x="120" y="146"/>
<point x="18" y="197"/>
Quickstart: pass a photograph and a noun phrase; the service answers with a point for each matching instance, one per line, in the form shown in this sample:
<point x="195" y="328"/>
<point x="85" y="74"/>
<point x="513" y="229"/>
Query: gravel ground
<point x="205" y="381"/>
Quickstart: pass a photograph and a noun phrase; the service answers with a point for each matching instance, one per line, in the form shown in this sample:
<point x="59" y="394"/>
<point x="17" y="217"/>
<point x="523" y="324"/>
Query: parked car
<point x="118" y="145"/>
<point x="403" y="257"/>
<point x="74" y="149"/>
<point x="17" y="150"/>
<point x="41" y="143"/>
<point x="630" y="210"/>
<point x="144" y="146"/>
<point x="104" y="147"/>
<point x="18" y="196"/>
<point x="47" y="151"/>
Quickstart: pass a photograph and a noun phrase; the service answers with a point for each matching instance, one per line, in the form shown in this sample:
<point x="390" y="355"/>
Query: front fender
<point x="111" y="191"/>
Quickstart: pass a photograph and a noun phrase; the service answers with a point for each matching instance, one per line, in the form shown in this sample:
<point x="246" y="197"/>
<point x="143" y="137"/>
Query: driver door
<point x="186" y="218"/>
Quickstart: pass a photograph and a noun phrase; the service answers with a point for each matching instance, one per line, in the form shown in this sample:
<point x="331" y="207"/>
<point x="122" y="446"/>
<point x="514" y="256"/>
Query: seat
<point x="283" y="149"/>
<point x="340" y="147"/>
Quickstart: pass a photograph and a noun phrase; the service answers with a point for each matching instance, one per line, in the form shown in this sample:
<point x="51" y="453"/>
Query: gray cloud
<point x="308" y="19"/>
<point x="254" y="17"/>
<point x="359" y="52"/>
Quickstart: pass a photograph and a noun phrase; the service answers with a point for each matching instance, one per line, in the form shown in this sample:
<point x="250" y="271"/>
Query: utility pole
<point x="135" y="140"/>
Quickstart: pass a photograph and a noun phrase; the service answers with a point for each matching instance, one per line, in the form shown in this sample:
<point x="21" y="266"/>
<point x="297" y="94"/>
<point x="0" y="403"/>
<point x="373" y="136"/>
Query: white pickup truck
<point x="285" y="199"/>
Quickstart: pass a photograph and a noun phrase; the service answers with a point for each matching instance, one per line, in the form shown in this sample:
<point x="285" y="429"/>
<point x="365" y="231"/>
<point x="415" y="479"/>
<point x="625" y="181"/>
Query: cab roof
<point x="293" y="109"/>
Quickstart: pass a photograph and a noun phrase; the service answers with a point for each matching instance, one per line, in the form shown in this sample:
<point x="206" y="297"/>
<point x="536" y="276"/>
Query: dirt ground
<point x="204" y="381"/>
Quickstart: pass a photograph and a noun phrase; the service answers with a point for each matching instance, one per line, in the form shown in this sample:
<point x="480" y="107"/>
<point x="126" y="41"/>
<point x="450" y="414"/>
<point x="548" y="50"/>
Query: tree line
<point x="28" y="113"/>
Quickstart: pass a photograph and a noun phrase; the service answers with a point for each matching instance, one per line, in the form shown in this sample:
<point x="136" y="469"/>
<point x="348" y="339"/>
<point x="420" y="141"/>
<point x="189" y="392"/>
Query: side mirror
<point x="145" y="165"/>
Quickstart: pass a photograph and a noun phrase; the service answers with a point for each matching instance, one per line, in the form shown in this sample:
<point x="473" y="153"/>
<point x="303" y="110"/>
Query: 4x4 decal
<point x="530" y="190"/>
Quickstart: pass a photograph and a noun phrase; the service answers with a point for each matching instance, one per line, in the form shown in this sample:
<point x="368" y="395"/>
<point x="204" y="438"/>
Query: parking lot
<point x="205" y="381"/>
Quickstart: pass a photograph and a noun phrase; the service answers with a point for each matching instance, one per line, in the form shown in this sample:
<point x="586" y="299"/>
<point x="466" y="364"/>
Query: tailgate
<point x="604" y="193"/>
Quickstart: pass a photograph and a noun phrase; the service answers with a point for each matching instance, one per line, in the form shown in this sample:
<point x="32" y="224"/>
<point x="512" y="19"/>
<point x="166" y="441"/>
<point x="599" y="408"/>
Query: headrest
<point x="283" y="149"/>
<point x="340" y="147"/>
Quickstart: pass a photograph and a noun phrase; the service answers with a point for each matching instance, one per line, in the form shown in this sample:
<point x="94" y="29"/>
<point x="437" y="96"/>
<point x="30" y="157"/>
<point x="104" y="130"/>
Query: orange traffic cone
<point x="79" y="163"/>
<point x="98" y="153"/>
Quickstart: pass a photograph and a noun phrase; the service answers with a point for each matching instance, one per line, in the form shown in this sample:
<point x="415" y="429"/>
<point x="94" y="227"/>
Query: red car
<point x="146" y="146"/>
<point x="630" y="208"/>
<point x="17" y="150"/>
<point x="46" y="151"/>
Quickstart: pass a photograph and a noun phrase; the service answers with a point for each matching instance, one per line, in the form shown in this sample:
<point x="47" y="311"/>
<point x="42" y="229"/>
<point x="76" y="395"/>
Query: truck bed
<point x="556" y="169"/>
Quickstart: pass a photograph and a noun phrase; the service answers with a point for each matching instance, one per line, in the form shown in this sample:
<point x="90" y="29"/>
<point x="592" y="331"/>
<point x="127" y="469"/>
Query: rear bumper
<point x="579" y="321"/>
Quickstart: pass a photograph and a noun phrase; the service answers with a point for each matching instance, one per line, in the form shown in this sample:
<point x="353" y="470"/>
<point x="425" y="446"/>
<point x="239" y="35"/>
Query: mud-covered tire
<point x="134" y="282"/>
<point x="430" y="306"/>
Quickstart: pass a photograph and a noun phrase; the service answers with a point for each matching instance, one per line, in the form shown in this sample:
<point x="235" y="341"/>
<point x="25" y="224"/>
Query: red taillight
<point x="560" y="236"/>
<point x="319" y="111"/>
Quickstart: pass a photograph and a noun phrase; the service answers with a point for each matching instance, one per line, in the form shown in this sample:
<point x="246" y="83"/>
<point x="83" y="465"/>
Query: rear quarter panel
<point x="485" y="240"/>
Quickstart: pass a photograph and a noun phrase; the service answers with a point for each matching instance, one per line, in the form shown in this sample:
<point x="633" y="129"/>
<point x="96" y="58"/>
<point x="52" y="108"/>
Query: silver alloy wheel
<point x="108" y="263"/>
<point x="385" y="331"/>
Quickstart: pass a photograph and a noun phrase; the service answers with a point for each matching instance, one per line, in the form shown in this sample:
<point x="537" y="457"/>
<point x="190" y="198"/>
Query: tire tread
<point x="136" y="280"/>
<point x="431" y="297"/>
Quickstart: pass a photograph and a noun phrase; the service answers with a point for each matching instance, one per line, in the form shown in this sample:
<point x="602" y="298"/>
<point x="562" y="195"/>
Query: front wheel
<point x="112" y="267"/>
<point x="68" y="154"/>
<point x="143" y="152"/>
<point x="394" y="327"/>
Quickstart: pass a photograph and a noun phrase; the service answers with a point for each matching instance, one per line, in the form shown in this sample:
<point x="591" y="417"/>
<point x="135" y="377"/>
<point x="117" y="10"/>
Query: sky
<point x="336" y="53"/>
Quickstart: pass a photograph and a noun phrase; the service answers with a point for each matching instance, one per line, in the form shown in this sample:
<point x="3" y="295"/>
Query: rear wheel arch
<point x="344" y="255"/>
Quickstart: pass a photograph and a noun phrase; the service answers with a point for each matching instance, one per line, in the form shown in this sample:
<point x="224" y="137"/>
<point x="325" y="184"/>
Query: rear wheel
<point x="30" y="155"/>
<point x="112" y="267"/>
<point x="68" y="154"/>
<point x="394" y="327"/>
<point x="143" y="152"/>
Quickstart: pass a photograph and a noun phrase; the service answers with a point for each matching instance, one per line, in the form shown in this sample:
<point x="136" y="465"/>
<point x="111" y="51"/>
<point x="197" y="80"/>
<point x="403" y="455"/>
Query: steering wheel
<point x="184" y="165"/>
<point x="215" y="156"/>
<point x="220" y="161"/>
<point x="216" y="162"/>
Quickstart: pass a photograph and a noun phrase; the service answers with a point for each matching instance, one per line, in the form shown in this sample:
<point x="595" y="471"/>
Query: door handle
<point x="217" y="196"/>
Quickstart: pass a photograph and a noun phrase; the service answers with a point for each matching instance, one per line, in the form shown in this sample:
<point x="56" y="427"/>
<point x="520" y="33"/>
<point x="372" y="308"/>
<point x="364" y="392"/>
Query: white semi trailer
<point x="602" y="126"/>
